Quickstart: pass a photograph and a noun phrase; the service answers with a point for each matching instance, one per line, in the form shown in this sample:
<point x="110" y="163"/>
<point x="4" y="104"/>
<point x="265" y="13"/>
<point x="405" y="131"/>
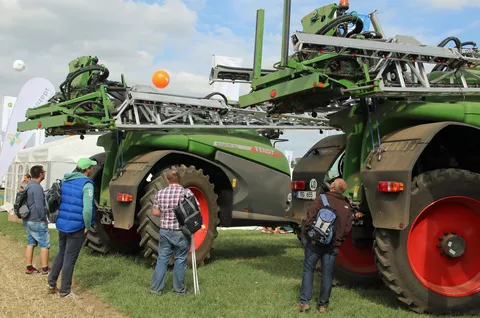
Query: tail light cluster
<point x="297" y="185"/>
<point x="124" y="197"/>
<point x="390" y="186"/>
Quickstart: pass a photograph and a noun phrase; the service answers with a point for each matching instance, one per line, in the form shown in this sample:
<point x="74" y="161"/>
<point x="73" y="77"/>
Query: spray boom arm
<point x="338" y="59"/>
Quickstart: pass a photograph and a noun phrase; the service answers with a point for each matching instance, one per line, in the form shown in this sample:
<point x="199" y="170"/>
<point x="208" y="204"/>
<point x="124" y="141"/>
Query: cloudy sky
<point x="137" y="38"/>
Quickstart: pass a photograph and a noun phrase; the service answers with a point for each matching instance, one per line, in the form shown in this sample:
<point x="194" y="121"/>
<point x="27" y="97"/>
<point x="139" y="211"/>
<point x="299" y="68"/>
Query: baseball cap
<point x="85" y="163"/>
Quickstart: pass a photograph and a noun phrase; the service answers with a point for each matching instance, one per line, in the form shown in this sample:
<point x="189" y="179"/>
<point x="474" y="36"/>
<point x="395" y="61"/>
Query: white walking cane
<point x="196" y="287"/>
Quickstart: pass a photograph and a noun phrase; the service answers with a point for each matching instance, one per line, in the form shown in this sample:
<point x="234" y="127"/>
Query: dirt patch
<point x="24" y="295"/>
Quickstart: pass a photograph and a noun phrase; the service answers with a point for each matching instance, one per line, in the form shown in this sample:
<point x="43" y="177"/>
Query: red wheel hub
<point x="200" y="235"/>
<point x="445" y="223"/>
<point x="356" y="259"/>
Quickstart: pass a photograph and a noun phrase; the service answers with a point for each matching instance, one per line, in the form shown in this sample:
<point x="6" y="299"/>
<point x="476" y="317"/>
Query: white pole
<point x="196" y="287"/>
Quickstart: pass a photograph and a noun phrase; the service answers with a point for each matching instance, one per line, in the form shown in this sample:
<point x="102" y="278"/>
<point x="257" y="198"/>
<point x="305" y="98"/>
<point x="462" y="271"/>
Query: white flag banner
<point x="231" y="91"/>
<point x="34" y="93"/>
<point x="8" y="102"/>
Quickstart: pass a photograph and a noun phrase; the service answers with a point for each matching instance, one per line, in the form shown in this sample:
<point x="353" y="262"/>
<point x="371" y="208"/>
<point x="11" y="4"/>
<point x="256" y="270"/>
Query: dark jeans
<point x="170" y="241"/>
<point x="327" y="258"/>
<point x="69" y="246"/>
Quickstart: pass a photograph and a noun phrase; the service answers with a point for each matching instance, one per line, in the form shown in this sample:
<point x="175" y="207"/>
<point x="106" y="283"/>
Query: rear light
<point x="123" y="197"/>
<point x="390" y="186"/>
<point x="297" y="185"/>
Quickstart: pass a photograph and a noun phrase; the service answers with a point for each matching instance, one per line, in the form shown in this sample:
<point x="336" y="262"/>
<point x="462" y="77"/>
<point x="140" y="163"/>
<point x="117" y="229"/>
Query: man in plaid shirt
<point x="171" y="236"/>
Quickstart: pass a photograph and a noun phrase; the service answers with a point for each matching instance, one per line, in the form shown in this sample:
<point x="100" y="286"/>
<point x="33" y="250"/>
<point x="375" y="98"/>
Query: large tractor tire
<point x="354" y="265"/>
<point x="106" y="239"/>
<point x="203" y="189"/>
<point x="433" y="265"/>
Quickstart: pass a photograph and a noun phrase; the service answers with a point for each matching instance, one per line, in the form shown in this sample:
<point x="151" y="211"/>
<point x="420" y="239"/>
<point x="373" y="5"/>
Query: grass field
<point x="252" y="275"/>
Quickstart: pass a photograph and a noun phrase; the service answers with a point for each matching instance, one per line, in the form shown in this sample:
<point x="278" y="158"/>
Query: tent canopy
<point x="67" y="150"/>
<point x="57" y="157"/>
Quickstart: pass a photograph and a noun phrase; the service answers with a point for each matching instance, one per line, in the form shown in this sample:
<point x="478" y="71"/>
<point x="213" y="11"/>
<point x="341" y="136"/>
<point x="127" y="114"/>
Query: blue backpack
<point x="322" y="230"/>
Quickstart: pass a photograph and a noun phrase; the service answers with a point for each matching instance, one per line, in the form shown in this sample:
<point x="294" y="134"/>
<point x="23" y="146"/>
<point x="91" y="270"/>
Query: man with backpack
<point x="327" y="225"/>
<point x="35" y="221"/>
<point x="172" y="238"/>
<point x="76" y="216"/>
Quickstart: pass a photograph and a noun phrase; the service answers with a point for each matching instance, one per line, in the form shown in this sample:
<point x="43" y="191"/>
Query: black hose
<point x="458" y="44"/>
<point x="217" y="93"/>
<point x="340" y="20"/>
<point x="70" y="77"/>
<point x="474" y="44"/>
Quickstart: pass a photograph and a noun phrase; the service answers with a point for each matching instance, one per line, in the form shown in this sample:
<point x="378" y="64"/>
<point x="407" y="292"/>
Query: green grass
<point x="252" y="275"/>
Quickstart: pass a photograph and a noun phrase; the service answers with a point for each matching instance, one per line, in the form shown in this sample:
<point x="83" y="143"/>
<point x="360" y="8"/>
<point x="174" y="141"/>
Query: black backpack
<point x="188" y="215"/>
<point x="20" y="206"/>
<point x="52" y="200"/>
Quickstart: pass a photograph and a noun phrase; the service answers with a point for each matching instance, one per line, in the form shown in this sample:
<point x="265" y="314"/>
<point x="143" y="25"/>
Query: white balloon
<point x="19" y="65"/>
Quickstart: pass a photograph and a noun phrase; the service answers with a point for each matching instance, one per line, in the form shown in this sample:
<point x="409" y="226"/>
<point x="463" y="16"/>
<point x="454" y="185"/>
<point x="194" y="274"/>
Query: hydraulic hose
<point x="458" y="45"/>
<point x="340" y="20"/>
<point x="474" y="44"/>
<point x="68" y="81"/>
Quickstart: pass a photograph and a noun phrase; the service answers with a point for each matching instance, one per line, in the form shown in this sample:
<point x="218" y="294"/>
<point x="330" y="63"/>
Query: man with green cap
<point x="76" y="216"/>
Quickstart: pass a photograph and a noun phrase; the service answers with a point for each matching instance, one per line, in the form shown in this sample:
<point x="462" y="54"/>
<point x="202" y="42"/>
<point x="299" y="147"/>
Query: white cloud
<point x="124" y="35"/>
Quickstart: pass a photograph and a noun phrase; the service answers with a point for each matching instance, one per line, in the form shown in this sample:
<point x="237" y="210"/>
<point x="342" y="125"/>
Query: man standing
<point x="171" y="236"/>
<point x="26" y="179"/>
<point x="325" y="253"/>
<point x="36" y="222"/>
<point x="76" y="216"/>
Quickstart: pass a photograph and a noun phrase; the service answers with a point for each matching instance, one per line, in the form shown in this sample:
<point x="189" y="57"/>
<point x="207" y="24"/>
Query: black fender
<point x="315" y="167"/>
<point x="135" y="172"/>
<point x="401" y="151"/>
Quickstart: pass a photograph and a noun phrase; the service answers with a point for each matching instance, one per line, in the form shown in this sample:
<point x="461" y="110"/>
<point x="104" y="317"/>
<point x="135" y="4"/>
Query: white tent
<point x="57" y="157"/>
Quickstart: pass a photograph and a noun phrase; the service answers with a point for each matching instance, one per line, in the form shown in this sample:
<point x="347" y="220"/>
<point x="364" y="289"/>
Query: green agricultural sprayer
<point x="410" y="152"/>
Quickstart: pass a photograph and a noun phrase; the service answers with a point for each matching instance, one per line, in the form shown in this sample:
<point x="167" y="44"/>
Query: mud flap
<point x="401" y="150"/>
<point x="316" y="167"/>
<point x="134" y="172"/>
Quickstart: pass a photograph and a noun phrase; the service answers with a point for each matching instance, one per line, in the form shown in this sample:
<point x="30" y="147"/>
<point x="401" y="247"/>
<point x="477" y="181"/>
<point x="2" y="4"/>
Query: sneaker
<point x="187" y="292"/>
<point x="45" y="272"/>
<point x="32" y="271"/>
<point x="52" y="289"/>
<point x="302" y="307"/>
<point x="70" y="295"/>
<point x="322" y="309"/>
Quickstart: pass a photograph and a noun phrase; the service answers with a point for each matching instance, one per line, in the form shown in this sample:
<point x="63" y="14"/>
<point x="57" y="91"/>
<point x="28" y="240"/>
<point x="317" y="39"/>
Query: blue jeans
<point x="171" y="240"/>
<point x="37" y="234"/>
<point x="327" y="257"/>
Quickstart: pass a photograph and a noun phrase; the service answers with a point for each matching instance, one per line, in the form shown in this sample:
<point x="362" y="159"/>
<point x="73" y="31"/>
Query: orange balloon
<point x="160" y="79"/>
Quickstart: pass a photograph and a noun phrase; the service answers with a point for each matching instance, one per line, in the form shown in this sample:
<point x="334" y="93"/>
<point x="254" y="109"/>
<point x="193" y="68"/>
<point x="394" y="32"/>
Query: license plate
<point x="306" y="195"/>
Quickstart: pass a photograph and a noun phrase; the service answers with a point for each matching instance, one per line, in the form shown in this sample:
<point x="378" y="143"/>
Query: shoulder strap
<point x="324" y="199"/>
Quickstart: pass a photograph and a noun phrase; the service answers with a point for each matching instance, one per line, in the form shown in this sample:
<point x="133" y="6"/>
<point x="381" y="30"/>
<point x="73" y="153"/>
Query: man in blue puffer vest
<point x="76" y="216"/>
